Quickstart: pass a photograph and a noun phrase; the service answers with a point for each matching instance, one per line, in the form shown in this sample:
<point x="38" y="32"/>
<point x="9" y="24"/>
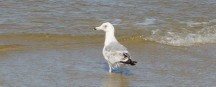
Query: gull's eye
<point x="105" y="26"/>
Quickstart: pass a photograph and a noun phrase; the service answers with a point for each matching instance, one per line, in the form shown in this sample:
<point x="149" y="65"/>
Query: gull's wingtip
<point x="133" y="63"/>
<point x="130" y="62"/>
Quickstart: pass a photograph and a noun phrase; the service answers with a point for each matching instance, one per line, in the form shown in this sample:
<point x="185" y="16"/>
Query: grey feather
<point x="114" y="52"/>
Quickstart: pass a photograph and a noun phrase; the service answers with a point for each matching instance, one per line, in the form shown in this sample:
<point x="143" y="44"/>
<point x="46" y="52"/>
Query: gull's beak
<point x="95" y="28"/>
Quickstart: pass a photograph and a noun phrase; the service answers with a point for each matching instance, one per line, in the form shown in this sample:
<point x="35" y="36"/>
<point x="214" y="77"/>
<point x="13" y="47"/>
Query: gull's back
<point x="115" y="46"/>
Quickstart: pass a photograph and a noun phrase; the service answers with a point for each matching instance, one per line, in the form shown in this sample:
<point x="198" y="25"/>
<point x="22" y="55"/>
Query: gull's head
<point x="105" y="27"/>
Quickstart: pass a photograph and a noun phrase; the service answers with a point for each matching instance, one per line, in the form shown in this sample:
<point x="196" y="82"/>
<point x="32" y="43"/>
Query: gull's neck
<point x="110" y="37"/>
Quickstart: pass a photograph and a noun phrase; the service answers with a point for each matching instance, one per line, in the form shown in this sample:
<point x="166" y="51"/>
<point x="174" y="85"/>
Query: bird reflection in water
<point x="116" y="80"/>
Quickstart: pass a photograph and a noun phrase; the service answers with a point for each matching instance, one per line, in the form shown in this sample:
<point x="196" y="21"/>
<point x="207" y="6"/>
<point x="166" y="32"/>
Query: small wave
<point x="205" y="35"/>
<point x="26" y="39"/>
<point x="148" y="21"/>
<point x="180" y="33"/>
<point x="193" y="24"/>
<point x="116" y="21"/>
<point x="9" y="47"/>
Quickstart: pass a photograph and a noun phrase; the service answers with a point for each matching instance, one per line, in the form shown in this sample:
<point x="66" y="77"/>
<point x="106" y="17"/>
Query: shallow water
<point x="51" y="43"/>
<point x="82" y="65"/>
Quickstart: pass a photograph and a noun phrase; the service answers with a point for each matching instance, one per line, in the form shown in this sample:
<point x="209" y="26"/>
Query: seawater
<point x="51" y="43"/>
<point x="173" y="22"/>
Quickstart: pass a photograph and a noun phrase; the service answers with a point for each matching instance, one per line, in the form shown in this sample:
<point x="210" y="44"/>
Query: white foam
<point x="148" y="21"/>
<point x="205" y="35"/>
<point x="116" y="21"/>
<point x="193" y="24"/>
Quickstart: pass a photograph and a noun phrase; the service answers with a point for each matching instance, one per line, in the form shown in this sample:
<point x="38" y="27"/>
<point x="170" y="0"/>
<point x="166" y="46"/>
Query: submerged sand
<point x="33" y="63"/>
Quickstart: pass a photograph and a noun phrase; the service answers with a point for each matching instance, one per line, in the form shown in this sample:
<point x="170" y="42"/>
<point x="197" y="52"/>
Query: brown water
<point x="50" y="43"/>
<point x="82" y="65"/>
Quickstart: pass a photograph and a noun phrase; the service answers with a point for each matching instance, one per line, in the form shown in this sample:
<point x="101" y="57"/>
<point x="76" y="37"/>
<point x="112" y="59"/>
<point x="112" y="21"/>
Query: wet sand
<point x="82" y="65"/>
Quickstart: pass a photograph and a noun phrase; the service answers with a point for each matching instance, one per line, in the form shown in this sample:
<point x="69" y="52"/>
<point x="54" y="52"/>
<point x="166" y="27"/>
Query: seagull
<point x="115" y="53"/>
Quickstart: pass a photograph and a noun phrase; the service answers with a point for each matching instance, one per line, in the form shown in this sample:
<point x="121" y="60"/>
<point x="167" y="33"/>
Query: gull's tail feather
<point x="129" y="61"/>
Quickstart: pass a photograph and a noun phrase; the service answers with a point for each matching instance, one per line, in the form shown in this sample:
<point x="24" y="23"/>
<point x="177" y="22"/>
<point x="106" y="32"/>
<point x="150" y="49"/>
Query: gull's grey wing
<point x="116" y="52"/>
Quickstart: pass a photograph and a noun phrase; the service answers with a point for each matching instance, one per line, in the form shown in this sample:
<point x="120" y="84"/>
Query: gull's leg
<point x="110" y="67"/>
<point x="110" y="70"/>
